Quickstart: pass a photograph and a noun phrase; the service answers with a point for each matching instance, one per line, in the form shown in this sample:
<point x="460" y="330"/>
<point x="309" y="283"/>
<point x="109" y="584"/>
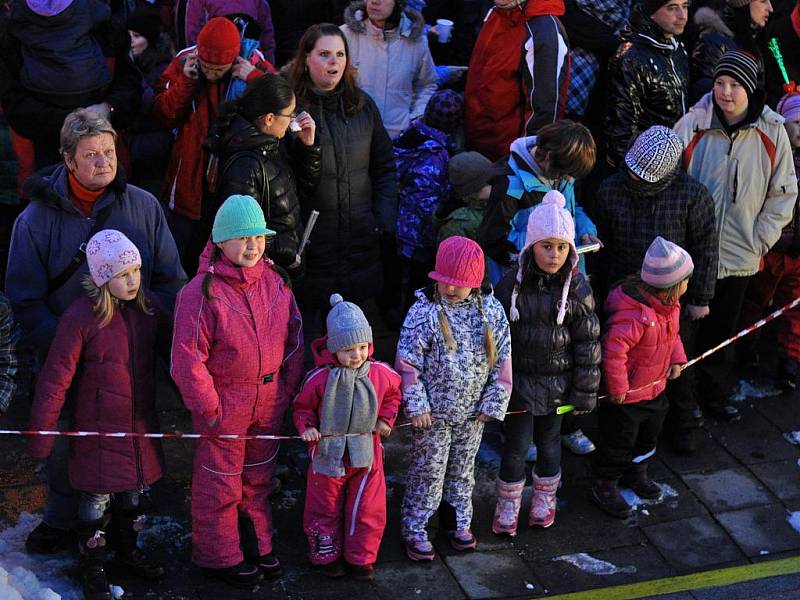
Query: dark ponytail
<point x="215" y="255"/>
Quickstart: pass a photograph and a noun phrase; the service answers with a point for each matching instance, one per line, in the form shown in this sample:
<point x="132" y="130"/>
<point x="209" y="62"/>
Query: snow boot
<point x="92" y="547"/>
<point x="506" y="511"/>
<point x="543" y="505"/>
<point x="125" y="527"/>
<point x="45" y="539"/>
<point x="639" y="481"/>
<point x="605" y="494"/>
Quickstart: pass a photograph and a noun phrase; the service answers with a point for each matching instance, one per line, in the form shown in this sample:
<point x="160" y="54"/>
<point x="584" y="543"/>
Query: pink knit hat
<point x="109" y="253"/>
<point x="549" y="220"/>
<point x="459" y="262"/>
<point x="789" y="107"/>
<point x="666" y="264"/>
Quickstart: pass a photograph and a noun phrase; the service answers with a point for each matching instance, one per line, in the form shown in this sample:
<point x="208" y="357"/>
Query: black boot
<point x="92" y="547"/>
<point x="45" y="539"/>
<point x="243" y="576"/>
<point x="605" y="494"/>
<point x="125" y="526"/>
<point x="639" y="481"/>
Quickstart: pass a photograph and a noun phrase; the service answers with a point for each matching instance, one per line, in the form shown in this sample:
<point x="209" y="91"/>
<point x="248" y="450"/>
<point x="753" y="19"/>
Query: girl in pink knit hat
<point x="454" y="356"/>
<point x="641" y="350"/>
<point x="104" y="351"/>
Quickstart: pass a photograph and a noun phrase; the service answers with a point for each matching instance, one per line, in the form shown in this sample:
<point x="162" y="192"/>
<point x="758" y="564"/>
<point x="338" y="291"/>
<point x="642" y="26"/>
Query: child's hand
<point x="311" y="434"/>
<point x="674" y="372"/>
<point x="382" y="428"/>
<point x="617" y="399"/>
<point x="422" y="421"/>
<point x="483" y="417"/>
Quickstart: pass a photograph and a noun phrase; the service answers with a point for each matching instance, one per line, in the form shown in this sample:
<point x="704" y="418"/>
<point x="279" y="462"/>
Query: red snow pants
<point x="234" y="478"/>
<point x="346" y="516"/>
<point x="778" y="282"/>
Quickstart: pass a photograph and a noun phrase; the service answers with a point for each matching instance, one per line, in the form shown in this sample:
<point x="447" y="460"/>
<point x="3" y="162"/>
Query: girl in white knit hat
<point x="555" y="354"/>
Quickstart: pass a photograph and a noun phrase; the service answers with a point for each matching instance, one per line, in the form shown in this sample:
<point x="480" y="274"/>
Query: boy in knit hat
<point x="470" y="173"/>
<point x="188" y="98"/>
<point x="641" y="350"/>
<point x="346" y="405"/>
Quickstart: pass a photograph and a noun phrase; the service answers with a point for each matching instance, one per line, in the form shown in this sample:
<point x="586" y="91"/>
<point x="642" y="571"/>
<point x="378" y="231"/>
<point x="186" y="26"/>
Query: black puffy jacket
<point x="552" y="364"/>
<point x="356" y="199"/>
<point x="648" y="84"/>
<point x="275" y="172"/>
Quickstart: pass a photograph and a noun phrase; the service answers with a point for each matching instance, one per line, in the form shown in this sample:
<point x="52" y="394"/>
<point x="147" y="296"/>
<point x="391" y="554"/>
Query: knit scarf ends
<point x="349" y="406"/>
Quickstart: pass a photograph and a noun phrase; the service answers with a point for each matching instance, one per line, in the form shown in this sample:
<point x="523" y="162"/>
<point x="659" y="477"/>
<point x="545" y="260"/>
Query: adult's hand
<point x="695" y="312"/>
<point x="308" y="128"/>
<point x="242" y="68"/>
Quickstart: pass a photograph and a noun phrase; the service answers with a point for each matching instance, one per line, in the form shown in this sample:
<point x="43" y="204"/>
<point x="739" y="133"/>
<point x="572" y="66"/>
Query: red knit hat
<point x="218" y="42"/>
<point x="459" y="262"/>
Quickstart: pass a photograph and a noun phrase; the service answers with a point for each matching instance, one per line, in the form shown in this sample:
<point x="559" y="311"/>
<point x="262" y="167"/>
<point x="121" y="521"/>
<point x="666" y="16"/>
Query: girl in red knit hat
<point x="454" y="356"/>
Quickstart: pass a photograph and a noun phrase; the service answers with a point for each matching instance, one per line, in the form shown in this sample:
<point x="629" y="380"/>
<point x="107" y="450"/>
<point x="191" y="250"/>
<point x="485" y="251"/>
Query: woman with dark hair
<point x="357" y="193"/>
<point x="739" y="27"/>
<point x="257" y="157"/>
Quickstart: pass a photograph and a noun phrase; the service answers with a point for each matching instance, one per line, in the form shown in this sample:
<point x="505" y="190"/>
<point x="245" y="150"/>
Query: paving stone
<point x="491" y="574"/>
<point x="671" y="508"/>
<point x="308" y="584"/>
<point x="560" y="577"/>
<point x="710" y="456"/>
<point x="728" y="489"/>
<point x="781" y="410"/>
<point x="691" y="544"/>
<point x="675" y="596"/>
<point x="760" y="529"/>
<point x="416" y="581"/>
<point x="781" y="587"/>
<point x="760" y="441"/>
<point x="782" y="478"/>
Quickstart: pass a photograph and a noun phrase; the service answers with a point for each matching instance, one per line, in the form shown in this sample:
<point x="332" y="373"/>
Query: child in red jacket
<point x="347" y="404"/>
<point x="102" y="356"/>
<point x="641" y="350"/>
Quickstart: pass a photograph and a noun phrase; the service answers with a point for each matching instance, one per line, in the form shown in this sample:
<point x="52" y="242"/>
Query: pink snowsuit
<point x="345" y="515"/>
<point x="237" y="356"/>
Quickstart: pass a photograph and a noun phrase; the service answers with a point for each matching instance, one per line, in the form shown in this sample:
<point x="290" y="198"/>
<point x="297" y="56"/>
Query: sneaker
<point x="577" y="443"/>
<point x="697" y="417"/>
<point x="45" y="539"/>
<point x="362" y="572"/>
<point x="462" y="540"/>
<point x="333" y="569"/>
<point x="420" y="550"/>
<point x="243" y="576"/>
<point x="532" y="454"/>
<point x="726" y="413"/>
<point x="270" y="566"/>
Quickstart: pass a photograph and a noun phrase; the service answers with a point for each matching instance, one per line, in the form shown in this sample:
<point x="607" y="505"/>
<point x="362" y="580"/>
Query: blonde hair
<point x="105" y="303"/>
<point x="450" y="342"/>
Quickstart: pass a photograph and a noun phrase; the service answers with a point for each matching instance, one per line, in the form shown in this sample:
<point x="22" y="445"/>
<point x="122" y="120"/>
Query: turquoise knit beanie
<point x="239" y="216"/>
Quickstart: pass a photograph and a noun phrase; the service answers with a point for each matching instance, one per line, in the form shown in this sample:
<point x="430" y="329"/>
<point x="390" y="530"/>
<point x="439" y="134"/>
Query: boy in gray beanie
<point x="346" y="405"/>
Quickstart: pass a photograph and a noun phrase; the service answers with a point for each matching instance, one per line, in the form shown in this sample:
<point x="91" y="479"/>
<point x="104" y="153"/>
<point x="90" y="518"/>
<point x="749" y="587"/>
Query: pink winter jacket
<point x="109" y="374"/>
<point x="237" y="356"/>
<point x="639" y="344"/>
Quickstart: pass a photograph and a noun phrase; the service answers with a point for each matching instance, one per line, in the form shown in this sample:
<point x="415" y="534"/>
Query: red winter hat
<point x="459" y="262"/>
<point x="218" y="42"/>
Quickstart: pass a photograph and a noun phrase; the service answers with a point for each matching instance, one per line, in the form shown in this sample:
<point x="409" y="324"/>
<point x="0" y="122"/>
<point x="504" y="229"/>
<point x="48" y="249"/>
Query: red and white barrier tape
<point x="223" y="436"/>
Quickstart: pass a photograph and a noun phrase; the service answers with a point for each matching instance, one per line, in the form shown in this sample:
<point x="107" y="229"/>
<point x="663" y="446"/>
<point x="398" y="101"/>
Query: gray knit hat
<point x="742" y="66"/>
<point x="347" y="325"/>
<point x="469" y="172"/>
<point x="655" y="153"/>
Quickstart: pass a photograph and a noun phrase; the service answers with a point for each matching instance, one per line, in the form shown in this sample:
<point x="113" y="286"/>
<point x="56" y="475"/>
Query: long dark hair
<point x="301" y="81"/>
<point x="747" y="35"/>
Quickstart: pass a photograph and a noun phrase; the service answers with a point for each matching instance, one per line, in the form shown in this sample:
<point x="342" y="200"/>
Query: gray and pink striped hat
<point x="665" y="264"/>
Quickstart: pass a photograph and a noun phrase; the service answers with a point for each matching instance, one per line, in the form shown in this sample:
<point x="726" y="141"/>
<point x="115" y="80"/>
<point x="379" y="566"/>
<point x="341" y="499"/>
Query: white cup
<point x="445" y="29"/>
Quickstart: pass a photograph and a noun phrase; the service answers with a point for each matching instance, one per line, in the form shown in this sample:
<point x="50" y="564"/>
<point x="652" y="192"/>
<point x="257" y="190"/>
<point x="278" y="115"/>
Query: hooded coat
<point x="394" y="66"/>
<point x="648" y="84"/>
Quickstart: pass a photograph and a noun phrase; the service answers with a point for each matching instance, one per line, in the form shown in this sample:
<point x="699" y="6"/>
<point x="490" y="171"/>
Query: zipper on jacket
<point x="131" y="349"/>
<point x="680" y="85"/>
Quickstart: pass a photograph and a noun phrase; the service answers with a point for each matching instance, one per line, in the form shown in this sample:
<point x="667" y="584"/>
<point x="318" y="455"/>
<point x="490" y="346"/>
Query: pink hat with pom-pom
<point x="549" y="220"/>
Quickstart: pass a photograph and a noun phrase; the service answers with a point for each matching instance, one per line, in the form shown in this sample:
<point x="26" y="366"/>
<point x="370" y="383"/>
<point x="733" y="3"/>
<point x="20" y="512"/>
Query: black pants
<point x="682" y="391"/>
<point x="520" y="429"/>
<point x="628" y="432"/>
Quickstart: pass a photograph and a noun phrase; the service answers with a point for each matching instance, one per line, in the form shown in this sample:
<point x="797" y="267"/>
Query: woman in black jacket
<point x="357" y="195"/>
<point x="256" y="157"/>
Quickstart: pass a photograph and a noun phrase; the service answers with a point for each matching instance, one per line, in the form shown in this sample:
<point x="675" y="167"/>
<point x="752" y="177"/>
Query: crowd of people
<point x="606" y="189"/>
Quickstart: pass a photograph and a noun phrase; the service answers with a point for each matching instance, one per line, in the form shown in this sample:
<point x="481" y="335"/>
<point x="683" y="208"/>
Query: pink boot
<point x="543" y="505"/>
<point x="506" y="511"/>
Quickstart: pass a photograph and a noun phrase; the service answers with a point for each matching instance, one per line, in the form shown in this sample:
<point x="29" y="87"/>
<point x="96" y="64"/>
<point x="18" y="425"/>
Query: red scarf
<point x="796" y="20"/>
<point x="81" y="198"/>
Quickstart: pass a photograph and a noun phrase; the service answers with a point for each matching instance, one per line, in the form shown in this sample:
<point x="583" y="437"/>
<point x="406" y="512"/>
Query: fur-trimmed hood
<point x="412" y="23"/>
<point x="707" y="19"/>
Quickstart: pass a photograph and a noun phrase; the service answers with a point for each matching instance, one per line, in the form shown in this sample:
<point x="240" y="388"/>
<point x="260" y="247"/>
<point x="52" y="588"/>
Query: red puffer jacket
<point x="110" y="372"/>
<point x="226" y="348"/>
<point x="639" y="344"/>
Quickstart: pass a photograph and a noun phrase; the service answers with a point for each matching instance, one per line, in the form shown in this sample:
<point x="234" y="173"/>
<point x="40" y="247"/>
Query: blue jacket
<point x="49" y="231"/>
<point x="422" y="157"/>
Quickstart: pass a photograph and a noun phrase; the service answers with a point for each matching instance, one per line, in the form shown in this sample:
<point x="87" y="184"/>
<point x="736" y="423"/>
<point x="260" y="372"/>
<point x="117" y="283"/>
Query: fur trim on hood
<point x="412" y="23"/>
<point x="707" y="19"/>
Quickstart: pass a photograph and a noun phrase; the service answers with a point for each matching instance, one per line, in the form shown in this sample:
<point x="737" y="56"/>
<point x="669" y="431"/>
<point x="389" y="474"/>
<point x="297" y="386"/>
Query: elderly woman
<point x="70" y="202"/>
<point x="357" y="192"/>
<point x="381" y="33"/>
<point x="738" y="148"/>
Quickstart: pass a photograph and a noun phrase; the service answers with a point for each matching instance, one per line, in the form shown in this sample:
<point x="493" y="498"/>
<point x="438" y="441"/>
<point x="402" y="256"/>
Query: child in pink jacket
<point x="641" y="350"/>
<point x="237" y="357"/>
<point x="347" y="404"/>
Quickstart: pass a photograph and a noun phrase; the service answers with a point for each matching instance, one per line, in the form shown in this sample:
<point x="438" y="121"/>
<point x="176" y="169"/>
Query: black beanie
<point x="742" y="66"/>
<point x="146" y="24"/>
<point x="651" y="6"/>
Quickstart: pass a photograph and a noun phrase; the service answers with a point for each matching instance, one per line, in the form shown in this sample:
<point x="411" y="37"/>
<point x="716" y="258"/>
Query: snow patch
<point x="161" y="531"/>
<point x="749" y="389"/>
<point x="667" y="491"/>
<point x="594" y="566"/>
<point x="793" y="437"/>
<point x="794" y="520"/>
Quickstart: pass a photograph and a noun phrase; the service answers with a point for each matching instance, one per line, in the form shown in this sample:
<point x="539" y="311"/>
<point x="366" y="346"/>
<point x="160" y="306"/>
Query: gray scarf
<point x="349" y="405"/>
